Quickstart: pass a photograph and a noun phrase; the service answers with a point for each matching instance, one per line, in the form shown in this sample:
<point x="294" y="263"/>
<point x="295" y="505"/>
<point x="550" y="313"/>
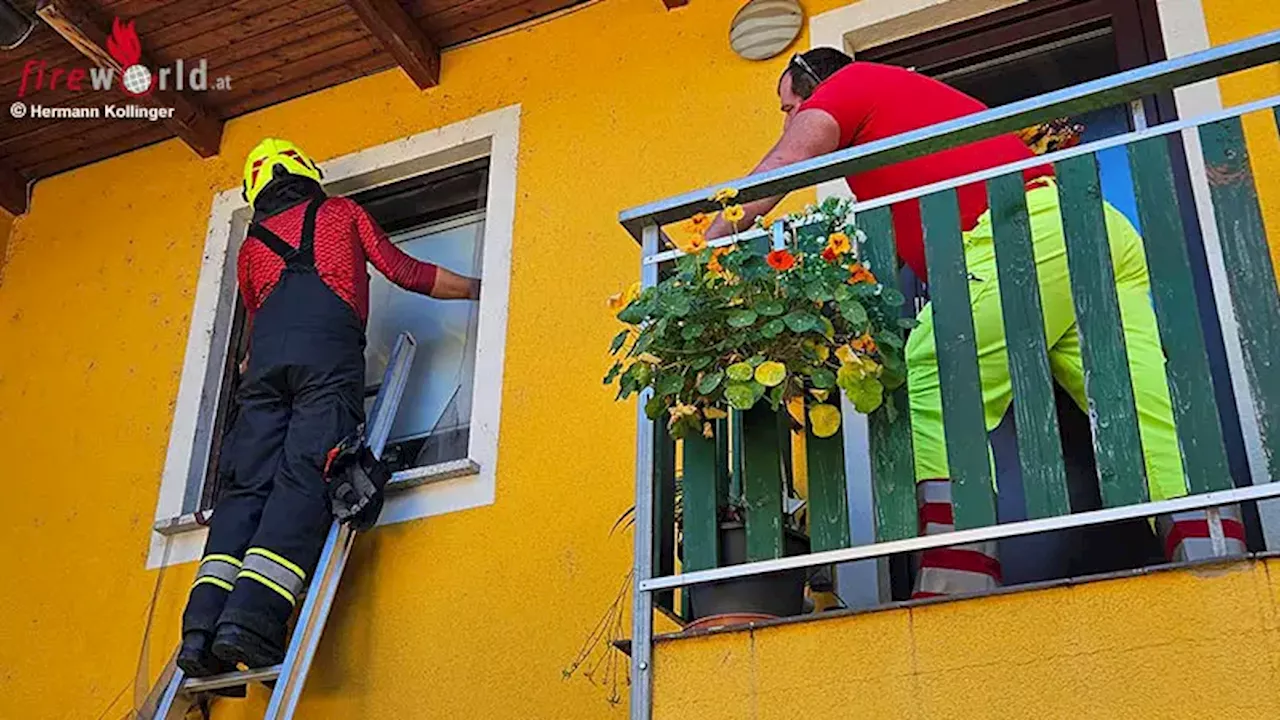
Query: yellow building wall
<point x="1230" y="20"/>
<point x="1179" y="644"/>
<point x="472" y="614"/>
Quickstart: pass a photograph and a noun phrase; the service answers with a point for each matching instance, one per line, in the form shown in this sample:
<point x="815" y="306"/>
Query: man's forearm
<point x="451" y="286"/>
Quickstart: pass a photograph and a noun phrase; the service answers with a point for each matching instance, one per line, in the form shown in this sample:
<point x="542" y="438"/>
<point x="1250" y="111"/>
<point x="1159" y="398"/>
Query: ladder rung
<point x="231" y="679"/>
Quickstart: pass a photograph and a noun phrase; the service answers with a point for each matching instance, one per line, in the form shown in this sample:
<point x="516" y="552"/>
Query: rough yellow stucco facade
<point x="1168" y="645"/>
<point x="475" y="614"/>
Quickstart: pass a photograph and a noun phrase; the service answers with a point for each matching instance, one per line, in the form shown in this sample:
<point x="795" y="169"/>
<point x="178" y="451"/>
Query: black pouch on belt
<point x="355" y="480"/>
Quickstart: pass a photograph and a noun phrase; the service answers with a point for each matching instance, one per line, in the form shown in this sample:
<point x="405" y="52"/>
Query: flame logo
<point x="123" y="44"/>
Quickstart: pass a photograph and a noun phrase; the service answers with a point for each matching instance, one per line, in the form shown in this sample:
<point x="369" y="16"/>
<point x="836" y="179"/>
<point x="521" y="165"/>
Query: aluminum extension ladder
<point x="175" y="694"/>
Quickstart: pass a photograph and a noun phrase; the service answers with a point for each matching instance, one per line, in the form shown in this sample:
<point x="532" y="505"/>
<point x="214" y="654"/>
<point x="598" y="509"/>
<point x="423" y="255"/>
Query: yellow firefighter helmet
<point x="259" y="167"/>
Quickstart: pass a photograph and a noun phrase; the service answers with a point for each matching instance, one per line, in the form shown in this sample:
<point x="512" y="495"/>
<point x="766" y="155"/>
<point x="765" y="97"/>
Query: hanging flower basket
<point x="744" y="323"/>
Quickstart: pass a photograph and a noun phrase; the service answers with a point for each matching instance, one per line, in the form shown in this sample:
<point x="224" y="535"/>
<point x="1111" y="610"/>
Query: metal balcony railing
<point x="1246" y="297"/>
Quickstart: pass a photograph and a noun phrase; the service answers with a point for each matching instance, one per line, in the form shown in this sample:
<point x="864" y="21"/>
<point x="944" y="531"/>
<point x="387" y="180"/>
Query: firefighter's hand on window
<point x="451" y="286"/>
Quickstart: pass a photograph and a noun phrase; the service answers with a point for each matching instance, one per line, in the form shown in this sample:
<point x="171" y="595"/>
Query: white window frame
<point x="494" y="135"/>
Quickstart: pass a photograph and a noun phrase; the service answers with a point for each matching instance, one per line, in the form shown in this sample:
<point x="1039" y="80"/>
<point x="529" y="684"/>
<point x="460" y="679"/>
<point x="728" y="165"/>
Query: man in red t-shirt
<point x="832" y="102"/>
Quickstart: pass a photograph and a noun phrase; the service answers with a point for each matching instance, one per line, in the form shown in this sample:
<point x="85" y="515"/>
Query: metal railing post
<point x="642" y="600"/>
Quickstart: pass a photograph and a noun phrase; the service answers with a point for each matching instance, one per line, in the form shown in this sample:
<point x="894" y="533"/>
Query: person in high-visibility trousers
<point x="832" y="102"/>
<point x="303" y="281"/>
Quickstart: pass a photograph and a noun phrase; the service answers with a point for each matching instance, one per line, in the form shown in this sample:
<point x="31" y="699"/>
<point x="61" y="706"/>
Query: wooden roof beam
<point x="401" y="36"/>
<point x="13" y="191"/>
<point x="79" y="24"/>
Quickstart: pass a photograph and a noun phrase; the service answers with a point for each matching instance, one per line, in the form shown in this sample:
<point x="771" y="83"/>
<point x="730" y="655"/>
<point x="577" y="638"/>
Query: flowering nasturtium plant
<point x="741" y="323"/>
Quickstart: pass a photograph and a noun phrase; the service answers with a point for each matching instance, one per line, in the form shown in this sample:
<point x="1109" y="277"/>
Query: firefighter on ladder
<point x="832" y="102"/>
<point x="303" y="280"/>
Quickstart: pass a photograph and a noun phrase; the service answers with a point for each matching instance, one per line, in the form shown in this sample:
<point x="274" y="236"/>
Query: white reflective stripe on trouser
<point x="279" y="575"/>
<point x="1187" y="536"/>
<point x="957" y="569"/>
<point x="218" y="571"/>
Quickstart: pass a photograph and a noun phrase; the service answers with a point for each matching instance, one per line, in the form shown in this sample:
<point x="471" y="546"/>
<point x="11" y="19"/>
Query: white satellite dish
<point x="764" y="28"/>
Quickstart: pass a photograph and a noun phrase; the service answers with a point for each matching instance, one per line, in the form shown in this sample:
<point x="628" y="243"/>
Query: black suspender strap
<point x="302" y="256"/>
<point x="307" y="245"/>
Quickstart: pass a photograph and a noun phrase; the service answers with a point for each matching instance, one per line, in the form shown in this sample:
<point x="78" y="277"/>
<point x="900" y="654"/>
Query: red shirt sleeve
<point x="395" y="264"/>
<point x="844" y="97"/>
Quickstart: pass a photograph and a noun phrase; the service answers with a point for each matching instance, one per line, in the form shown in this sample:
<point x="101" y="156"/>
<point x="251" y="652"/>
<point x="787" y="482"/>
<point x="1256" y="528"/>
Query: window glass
<point x="432" y="424"/>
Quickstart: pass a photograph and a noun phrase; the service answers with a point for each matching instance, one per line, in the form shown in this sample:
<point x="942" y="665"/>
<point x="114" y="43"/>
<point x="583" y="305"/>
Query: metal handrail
<point x="1105" y="92"/>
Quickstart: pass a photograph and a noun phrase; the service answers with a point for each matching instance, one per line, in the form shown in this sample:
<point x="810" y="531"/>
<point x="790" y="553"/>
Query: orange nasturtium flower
<point x="734" y="213"/>
<point x="864" y="344"/>
<point x="700" y="222"/>
<point x="696" y="244"/>
<point x="619" y="301"/>
<point x="829" y="255"/>
<point x="839" y="244"/>
<point x="724" y="195"/>
<point x="859" y="273"/>
<point x="714" y="263"/>
<point x="781" y="260"/>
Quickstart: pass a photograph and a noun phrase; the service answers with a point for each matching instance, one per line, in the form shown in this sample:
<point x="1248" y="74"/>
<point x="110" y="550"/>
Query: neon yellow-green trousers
<point x="1142" y="341"/>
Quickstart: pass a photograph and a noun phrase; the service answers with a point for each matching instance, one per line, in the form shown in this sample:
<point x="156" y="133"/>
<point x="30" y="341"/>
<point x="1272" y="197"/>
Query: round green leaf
<point x="740" y="372"/>
<point x="690" y="332"/>
<point x="670" y="384"/>
<point x="741" y="396"/>
<point x="675" y="303"/>
<point x="843" y="292"/>
<point x="773" y="328"/>
<point x="701" y="362"/>
<point x="770" y="308"/>
<point x="870" y="396"/>
<point x="893" y="298"/>
<point x="853" y="311"/>
<point x="642" y="372"/>
<point x="824" y="420"/>
<point x="710" y="382"/>
<point x="771" y="374"/>
<point x="817" y="292"/>
<point x="742" y="318"/>
<point x="800" y="321"/>
<point x="823" y="379"/>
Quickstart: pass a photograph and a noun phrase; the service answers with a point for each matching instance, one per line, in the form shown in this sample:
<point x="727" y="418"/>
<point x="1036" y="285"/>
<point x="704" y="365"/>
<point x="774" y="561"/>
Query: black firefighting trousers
<point x="303" y="393"/>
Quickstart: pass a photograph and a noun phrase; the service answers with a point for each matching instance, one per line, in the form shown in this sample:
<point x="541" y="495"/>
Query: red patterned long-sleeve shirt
<point x="346" y="238"/>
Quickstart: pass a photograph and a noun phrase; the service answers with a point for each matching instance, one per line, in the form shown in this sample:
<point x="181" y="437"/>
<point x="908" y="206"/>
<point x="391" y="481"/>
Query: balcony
<point x="857" y="489"/>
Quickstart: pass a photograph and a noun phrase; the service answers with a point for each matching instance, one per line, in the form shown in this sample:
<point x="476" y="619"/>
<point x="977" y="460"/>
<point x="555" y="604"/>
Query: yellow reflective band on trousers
<point x="277" y="573"/>
<point x="263" y="552"/>
<point x="267" y="582"/>
<point x="218" y="570"/>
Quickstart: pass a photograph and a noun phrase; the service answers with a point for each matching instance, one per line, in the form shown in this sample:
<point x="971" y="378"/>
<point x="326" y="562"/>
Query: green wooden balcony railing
<point x="750" y="454"/>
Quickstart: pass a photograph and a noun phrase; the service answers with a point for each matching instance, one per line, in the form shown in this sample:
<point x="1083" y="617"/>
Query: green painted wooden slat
<point x="1249" y="274"/>
<point x="701" y="531"/>
<point x="828" y="504"/>
<point x="664" y="509"/>
<point x="723" y="470"/>
<point x="762" y="483"/>
<point x="1117" y="444"/>
<point x="1044" y="477"/>
<point x="892" y="466"/>
<point x="972" y="493"/>
<point x="1195" y="410"/>
<point x="735" y="445"/>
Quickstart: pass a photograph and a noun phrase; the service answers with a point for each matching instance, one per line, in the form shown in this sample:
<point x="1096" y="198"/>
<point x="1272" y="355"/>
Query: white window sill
<point x="400" y="482"/>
